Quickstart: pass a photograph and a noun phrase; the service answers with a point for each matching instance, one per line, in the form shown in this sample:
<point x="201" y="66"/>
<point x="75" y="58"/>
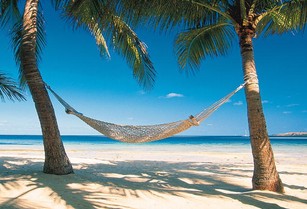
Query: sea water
<point x="213" y="143"/>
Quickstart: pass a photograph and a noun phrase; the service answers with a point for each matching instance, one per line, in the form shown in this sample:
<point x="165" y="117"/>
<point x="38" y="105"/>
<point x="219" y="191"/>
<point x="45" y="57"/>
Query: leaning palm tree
<point x="28" y="42"/>
<point x="212" y="26"/>
<point x="9" y="89"/>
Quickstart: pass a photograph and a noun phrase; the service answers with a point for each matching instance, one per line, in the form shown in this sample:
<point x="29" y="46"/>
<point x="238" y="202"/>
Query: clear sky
<point x="106" y="90"/>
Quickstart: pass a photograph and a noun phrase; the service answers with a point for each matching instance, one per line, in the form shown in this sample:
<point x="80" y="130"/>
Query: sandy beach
<point x="146" y="177"/>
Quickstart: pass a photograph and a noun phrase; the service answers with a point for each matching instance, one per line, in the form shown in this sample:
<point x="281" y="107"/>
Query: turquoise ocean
<point x="295" y="145"/>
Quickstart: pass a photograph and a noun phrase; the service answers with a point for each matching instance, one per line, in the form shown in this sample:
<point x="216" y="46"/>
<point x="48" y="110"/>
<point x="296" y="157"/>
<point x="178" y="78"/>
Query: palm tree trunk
<point x="56" y="160"/>
<point x="265" y="175"/>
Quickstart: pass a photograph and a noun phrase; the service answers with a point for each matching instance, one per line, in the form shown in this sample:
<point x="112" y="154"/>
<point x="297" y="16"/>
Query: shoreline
<point x="151" y="177"/>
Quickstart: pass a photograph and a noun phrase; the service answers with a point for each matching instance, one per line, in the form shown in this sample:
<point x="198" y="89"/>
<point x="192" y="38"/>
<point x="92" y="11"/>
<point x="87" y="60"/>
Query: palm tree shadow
<point x="98" y="185"/>
<point x="32" y="179"/>
<point x="202" y="179"/>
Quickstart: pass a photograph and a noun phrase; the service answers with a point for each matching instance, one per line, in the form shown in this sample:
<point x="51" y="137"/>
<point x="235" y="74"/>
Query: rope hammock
<point x="145" y="133"/>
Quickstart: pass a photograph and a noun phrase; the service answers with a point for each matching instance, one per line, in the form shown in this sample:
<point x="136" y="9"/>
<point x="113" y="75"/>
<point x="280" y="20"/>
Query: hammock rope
<point x="145" y="133"/>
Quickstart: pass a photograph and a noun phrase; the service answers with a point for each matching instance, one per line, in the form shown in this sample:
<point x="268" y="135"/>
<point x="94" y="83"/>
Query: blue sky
<point x="105" y="89"/>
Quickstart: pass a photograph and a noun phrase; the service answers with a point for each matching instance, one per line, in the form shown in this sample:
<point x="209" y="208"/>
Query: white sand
<point x="145" y="178"/>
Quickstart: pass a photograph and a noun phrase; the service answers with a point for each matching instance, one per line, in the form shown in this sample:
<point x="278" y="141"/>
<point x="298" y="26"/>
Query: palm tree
<point x="212" y="26"/>
<point x="9" y="89"/>
<point x="28" y="42"/>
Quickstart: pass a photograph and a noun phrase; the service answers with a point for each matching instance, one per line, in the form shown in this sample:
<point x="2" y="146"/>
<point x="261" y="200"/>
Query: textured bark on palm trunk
<point x="265" y="175"/>
<point x="56" y="160"/>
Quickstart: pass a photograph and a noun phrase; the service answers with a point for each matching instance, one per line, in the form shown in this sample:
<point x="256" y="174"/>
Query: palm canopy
<point x="212" y="25"/>
<point x="103" y="22"/>
<point x="9" y="89"/>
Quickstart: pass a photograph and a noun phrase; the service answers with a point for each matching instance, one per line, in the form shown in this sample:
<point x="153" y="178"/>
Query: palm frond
<point x="196" y="44"/>
<point x="9" y="89"/>
<point x="243" y="9"/>
<point x="127" y="43"/>
<point x="58" y="4"/>
<point x="296" y="11"/>
<point x="166" y="15"/>
<point x="101" y="19"/>
<point x="100" y="40"/>
<point x="272" y="23"/>
<point x="284" y="17"/>
<point x="21" y="35"/>
<point x="17" y="36"/>
<point x="81" y="13"/>
<point x="260" y="6"/>
<point x="9" y="12"/>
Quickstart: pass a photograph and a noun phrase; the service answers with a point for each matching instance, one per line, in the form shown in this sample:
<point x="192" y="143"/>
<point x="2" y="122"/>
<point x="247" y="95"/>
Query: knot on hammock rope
<point x="68" y="111"/>
<point x="193" y="120"/>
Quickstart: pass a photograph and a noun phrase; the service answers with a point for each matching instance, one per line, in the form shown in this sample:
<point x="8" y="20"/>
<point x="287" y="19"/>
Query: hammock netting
<point x="145" y="133"/>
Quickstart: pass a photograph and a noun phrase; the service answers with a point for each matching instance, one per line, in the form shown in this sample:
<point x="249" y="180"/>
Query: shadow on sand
<point x="98" y="185"/>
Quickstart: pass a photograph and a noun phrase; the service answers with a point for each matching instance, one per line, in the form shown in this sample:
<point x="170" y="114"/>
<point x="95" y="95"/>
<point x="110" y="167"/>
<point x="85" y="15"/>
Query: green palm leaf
<point x="59" y="3"/>
<point x="167" y="15"/>
<point x="128" y="44"/>
<point x="271" y="23"/>
<point x="196" y="44"/>
<point x="283" y="17"/>
<point x="102" y="20"/>
<point x="9" y="12"/>
<point x="9" y="89"/>
<point x="80" y="13"/>
<point x="298" y="11"/>
<point x="100" y="39"/>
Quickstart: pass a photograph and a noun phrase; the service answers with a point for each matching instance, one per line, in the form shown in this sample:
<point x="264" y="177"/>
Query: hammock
<point x="145" y="133"/>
